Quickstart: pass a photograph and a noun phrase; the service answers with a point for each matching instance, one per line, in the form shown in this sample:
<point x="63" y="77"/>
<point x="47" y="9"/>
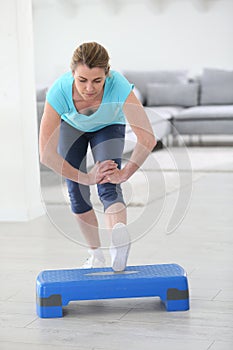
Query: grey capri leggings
<point x="106" y="143"/>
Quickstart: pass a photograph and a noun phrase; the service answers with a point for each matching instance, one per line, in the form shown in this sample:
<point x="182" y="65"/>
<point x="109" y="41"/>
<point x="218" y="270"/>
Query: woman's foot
<point x="96" y="259"/>
<point x="120" y="247"/>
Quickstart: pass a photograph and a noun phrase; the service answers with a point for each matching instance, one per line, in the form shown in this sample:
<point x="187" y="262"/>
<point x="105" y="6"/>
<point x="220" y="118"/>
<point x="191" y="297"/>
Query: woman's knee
<point x="110" y="194"/>
<point x="79" y="197"/>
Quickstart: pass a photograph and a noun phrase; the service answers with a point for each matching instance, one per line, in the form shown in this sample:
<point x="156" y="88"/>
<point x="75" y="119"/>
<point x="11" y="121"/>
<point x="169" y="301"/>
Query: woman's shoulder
<point x="118" y="86"/>
<point x="63" y="81"/>
<point x="115" y="75"/>
<point x="117" y="79"/>
<point x="59" y="94"/>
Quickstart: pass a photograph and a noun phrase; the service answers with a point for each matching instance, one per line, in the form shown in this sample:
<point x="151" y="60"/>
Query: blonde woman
<point x="89" y="105"/>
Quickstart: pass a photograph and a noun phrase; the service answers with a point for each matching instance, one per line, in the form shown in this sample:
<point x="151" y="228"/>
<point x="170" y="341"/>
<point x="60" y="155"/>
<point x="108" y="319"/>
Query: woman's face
<point x="89" y="82"/>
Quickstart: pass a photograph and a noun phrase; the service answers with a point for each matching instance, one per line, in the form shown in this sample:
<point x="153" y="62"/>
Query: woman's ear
<point x="107" y="70"/>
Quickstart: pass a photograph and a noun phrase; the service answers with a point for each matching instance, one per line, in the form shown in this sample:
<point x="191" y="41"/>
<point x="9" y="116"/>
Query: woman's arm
<point x="140" y="124"/>
<point x="48" y="142"/>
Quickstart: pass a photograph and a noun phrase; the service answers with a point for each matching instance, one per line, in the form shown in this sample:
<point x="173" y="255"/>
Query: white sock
<point x="97" y="253"/>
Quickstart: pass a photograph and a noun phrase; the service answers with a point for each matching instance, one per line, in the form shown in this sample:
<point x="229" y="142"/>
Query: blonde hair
<point x="92" y="55"/>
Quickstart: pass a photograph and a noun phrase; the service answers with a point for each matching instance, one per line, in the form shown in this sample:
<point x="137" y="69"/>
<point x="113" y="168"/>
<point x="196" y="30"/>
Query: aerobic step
<point x="56" y="288"/>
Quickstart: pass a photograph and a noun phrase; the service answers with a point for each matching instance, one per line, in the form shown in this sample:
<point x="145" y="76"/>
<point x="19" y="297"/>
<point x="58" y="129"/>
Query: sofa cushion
<point x="162" y="112"/>
<point x="156" y="115"/>
<point x="160" y="122"/>
<point x="216" y="87"/>
<point x="203" y="127"/>
<point x="41" y="94"/>
<point x="138" y="94"/>
<point x="178" y="94"/>
<point x="141" y="78"/>
<point x="40" y="110"/>
<point x="206" y="113"/>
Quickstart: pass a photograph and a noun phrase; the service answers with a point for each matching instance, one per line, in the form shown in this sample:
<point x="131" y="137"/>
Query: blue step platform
<point x="56" y="288"/>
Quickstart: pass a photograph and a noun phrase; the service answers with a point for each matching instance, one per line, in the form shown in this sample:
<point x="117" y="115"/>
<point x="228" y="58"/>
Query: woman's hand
<point x="116" y="177"/>
<point x="101" y="171"/>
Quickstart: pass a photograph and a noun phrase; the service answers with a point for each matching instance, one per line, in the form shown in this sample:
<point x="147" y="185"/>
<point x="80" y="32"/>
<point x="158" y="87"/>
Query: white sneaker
<point x="120" y="246"/>
<point x="96" y="259"/>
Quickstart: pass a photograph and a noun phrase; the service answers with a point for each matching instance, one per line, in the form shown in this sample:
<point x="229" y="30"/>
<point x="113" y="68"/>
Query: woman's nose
<point x="89" y="87"/>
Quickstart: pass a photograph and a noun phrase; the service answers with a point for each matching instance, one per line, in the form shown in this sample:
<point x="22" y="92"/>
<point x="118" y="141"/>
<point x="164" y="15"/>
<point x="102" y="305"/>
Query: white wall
<point x="139" y="34"/>
<point x="20" y="198"/>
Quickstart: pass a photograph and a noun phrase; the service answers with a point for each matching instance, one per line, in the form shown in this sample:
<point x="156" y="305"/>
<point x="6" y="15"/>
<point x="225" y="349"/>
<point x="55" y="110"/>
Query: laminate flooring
<point x="202" y="242"/>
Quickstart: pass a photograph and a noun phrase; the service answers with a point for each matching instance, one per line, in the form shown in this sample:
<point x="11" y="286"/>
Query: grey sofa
<point x="197" y="106"/>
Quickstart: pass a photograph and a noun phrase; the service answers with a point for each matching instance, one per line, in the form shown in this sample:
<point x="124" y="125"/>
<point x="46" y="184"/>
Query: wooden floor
<point x="202" y="243"/>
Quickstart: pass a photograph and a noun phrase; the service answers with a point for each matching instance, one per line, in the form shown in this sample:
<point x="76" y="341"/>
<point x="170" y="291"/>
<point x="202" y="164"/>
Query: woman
<point x="88" y="105"/>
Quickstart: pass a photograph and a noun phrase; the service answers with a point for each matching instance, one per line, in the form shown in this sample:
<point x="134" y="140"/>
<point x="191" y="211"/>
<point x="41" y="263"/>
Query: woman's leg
<point x="89" y="226"/>
<point x="108" y="143"/>
<point x="73" y="146"/>
<point x="114" y="214"/>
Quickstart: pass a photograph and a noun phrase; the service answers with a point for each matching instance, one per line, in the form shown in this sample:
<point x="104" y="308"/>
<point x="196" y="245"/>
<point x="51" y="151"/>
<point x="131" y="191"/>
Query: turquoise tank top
<point x="116" y="90"/>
